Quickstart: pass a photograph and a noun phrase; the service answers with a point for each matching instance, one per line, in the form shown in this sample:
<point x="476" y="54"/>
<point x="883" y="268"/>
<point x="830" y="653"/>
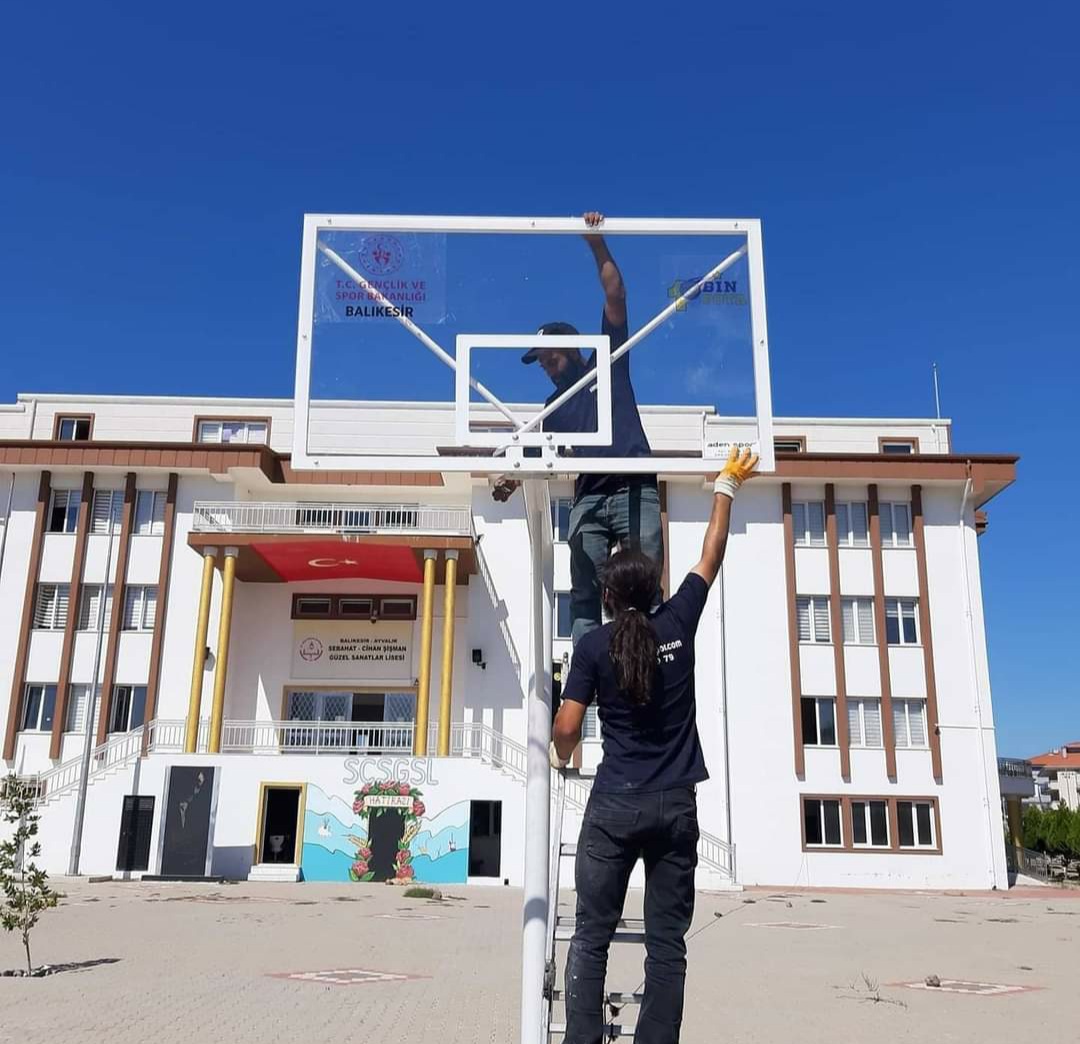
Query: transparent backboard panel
<point x="387" y="306"/>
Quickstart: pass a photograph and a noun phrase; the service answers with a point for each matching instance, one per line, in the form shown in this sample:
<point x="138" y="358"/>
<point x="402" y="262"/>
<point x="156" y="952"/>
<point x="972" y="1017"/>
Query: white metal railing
<point x="167" y="735"/>
<point x="317" y="737"/>
<point x="304" y="517"/>
<point x="118" y="750"/>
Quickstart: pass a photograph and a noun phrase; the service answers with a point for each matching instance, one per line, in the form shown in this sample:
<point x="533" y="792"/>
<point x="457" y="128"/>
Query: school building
<point x="323" y="675"/>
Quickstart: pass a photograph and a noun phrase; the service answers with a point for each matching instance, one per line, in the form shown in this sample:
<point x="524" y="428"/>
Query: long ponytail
<point x="630" y="581"/>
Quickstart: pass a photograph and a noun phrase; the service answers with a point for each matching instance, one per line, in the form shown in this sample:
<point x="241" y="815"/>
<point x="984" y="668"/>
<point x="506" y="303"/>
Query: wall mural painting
<point x="386" y="833"/>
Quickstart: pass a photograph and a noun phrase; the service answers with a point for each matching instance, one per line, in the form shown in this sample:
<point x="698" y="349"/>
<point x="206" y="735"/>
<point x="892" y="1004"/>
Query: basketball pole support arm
<point x="536" y="896"/>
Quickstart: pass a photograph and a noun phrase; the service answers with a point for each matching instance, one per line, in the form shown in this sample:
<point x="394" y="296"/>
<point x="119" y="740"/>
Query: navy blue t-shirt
<point x="579" y="414"/>
<point x="655" y="746"/>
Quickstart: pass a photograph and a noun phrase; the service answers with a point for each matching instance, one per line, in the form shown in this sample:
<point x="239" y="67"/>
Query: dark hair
<point x="630" y="582"/>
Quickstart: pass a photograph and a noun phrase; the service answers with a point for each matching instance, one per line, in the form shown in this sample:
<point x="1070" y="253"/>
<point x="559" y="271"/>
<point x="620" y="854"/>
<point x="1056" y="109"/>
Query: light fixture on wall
<point x="478" y="659"/>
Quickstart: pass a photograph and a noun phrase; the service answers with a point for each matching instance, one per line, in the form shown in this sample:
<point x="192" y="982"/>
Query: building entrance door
<point x="280" y="819"/>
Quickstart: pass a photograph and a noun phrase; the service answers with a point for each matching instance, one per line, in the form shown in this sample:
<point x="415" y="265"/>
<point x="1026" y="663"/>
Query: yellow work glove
<point x="737" y="470"/>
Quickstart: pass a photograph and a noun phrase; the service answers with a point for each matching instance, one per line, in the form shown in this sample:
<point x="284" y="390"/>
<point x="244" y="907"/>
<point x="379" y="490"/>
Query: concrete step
<point x="618" y="1000"/>
<point x="274" y="872"/>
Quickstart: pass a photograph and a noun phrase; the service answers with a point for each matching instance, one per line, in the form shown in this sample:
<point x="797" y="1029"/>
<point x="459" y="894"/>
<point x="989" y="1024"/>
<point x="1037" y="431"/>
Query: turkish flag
<point x="337" y="560"/>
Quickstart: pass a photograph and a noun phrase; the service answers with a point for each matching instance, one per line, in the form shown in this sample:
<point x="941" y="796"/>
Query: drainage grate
<point x="976" y="989"/>
<point x="345" y="976"/>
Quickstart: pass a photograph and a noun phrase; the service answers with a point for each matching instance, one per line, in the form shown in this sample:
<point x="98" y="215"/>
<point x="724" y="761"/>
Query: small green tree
<point x="25" y="887"/>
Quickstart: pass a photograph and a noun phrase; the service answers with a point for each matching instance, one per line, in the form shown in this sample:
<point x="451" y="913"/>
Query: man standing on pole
<point x="608" y="511"/>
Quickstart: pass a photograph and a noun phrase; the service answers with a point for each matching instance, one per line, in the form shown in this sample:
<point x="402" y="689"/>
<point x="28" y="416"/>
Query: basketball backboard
<point x="435" y="313"/>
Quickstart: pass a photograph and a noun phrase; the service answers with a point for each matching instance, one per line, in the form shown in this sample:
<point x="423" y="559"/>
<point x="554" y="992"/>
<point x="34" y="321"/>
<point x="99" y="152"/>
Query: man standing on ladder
<point x="640" y="670"/>
<point x="608" y="510"/>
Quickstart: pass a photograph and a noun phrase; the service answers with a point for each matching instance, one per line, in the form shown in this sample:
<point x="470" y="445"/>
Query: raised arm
<point x="738" y="469"/>
<point x="610" y="276"/>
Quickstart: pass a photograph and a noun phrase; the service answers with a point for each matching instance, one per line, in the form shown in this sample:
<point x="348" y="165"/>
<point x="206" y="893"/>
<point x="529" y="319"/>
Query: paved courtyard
<point x="164" y="963"/>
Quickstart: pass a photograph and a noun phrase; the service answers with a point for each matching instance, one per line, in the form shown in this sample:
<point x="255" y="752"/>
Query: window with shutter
<point x="851" y="524"/>
<point x="909" y="722"/>
<point x="590" y="727"/>
<point x="108" y="504"/>
<point x="209" y="431"/>
<point x="864" y="722"/>
<point x="896" y="524"/>
<point x="90" y="607"/>
<point x="78" y="697"/>
<point x="812" y="613"/>
<point x="857" y="615"/>
<point x="51" y="607"/>
<point x="802" y="606"/>
<point x="872" y="723"/>
<point x="821" y="620"/>
<point x="140" y="608"/>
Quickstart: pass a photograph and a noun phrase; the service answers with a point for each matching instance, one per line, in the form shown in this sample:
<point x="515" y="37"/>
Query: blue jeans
<point x="627" y="518"/>
<point x="619" y="828"/>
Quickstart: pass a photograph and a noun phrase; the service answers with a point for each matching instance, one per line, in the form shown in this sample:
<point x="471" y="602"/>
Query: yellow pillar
<point x="423" y="681"/>
<point x="202" y="626"/>
<point x="217" y="711"/>
<point x="446" y="681"/>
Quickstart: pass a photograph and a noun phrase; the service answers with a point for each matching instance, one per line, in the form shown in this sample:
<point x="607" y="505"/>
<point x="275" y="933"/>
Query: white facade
<point x="764" y="769"/>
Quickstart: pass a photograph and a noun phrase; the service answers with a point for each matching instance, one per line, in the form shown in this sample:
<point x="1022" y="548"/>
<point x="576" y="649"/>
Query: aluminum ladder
<point x="560" y="929"/>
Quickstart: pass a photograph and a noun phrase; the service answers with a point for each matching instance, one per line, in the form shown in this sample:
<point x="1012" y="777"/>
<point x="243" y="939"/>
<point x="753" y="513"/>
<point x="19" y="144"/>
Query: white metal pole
<point x="432" y="345"/>
<point x="91" y="706"/>
<point x="535" y="902"/>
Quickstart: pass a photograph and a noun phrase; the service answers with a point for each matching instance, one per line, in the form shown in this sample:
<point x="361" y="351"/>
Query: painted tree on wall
<point x="392" y="811"/>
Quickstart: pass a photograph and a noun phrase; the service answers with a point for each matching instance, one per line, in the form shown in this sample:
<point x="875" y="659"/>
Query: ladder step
<point x="568" y="849"/>
<point x="619" y="1000"/>
<point x="628" y="930"/>
<point x="611" y="1030"/>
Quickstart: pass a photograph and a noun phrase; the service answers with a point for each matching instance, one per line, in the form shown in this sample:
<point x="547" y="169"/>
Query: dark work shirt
<point x="655" y="746"/>
<point x="579" y="414"/>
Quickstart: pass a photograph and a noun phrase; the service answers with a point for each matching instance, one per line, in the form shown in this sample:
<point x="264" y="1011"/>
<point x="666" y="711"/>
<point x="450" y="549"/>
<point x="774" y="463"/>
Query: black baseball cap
<point x="565" y="329"/>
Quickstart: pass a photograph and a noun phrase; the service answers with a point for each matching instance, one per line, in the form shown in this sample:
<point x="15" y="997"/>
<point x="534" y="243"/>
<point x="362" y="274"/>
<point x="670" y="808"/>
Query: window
<point x="232" y="431"/>
<point x="821" y="818"/>
<point x="857" y="615"/>
<point x="869" y="823"/>
<point x="852" y="526"/>
<point x="140" y="608"/>
<point x="901" y="621"/>
<point x="812" y="612"/>
<point x="819" y="721"/>
<point x="362" y="608"/>
<point x="128" y="708"/>
<point x="353" y="607"/>
<point x="560" y="518"/>
<point x="90" y="607"/>
<point x="590" y="727"/>
<point x="78" y="696"/>
<point x="899" y="446"/>
<point x="790" y="444"/>
<point x="808" y="521"/>
<point x="51" y="607"/>
<point x="393" y="608"/>
<point x="73" y="429"/>
<point x="864" y="722"/>
<point x="909" y="722"/>
<point x="64" y="510"/>
<point x="39" y="706"/>
<point x="108" y="504"/>
<point x="915" y="824"/>
<point x="150" y="512"/>
<point x="307" y="607"/>
<point x="563" y="621"/>
<point x="895" y="524"/>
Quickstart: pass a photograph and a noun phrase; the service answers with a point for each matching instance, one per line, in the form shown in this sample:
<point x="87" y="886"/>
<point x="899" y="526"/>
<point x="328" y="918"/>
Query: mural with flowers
<point x="384" y="831"/>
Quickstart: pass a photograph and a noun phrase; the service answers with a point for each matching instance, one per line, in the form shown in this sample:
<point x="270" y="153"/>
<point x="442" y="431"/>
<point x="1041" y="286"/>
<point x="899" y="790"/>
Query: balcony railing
<point x="1014" y="767"/>
<point x="346" y="519"/>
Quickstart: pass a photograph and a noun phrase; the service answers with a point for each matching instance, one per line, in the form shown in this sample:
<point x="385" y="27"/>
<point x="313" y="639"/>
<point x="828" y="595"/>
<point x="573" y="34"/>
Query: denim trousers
<point x="619" y="828"/>
<point x="629" y="517"/>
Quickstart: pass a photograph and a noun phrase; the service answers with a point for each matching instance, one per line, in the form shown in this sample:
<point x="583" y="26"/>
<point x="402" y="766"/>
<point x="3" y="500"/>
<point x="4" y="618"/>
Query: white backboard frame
<point x="484" y="462"/>
<point x="600" y="344"/>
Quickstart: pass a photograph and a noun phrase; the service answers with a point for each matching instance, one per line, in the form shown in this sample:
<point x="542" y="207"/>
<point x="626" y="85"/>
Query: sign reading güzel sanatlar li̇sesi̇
<point x="349" y="650"/>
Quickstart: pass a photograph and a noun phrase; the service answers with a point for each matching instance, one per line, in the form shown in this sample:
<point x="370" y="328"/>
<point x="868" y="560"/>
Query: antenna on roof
<point x="937" y="393"/>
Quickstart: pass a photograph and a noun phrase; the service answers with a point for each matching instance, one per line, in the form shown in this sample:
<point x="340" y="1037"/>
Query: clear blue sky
<point x="917" y="169"/>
